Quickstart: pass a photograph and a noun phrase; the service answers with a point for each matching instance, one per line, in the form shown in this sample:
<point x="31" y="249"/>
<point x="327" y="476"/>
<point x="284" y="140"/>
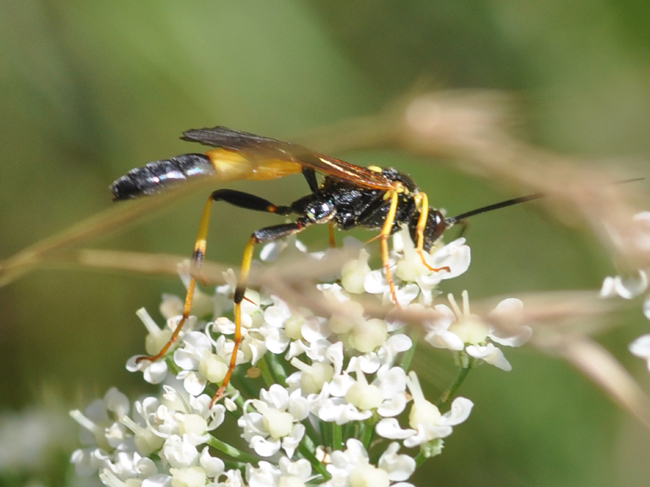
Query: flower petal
<point x="459" y="412"/>
<point x="265" y="448"/>
<point x="641" y="347"/>
<point x="390" y="428"/>
<point x="629" y="287"/>
<point x="490" y="354"/>
<point x="399" y="467"/>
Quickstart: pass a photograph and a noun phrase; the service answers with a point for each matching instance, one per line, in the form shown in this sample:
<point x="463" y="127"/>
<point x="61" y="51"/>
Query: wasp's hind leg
<point x="267" y="234"/>
<point x="236" y="198"/>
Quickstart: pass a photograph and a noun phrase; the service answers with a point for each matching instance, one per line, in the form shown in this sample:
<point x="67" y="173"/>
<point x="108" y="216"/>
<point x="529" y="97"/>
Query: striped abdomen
<point x="159" y="176"/>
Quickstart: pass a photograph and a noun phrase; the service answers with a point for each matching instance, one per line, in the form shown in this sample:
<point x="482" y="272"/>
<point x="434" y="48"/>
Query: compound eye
<point x="434" y="229"/>
<point x="437" y="221"/>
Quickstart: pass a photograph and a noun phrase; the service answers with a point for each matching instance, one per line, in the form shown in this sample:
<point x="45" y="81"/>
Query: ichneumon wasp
<point x="348" y="197"/>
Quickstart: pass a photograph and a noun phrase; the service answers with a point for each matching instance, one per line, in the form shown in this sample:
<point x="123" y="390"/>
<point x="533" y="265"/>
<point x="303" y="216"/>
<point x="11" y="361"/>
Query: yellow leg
<point x="385" y="233"/>
<point x="195" y="267"/>
<point x="264" y="235"/>
<point x="239" y="297"/>
<point x="243" y="200"/>
<point x="422" y="202"/>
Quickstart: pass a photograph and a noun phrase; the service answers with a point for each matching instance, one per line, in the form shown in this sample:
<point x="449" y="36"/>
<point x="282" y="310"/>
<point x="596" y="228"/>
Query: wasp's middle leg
<point x="313" y="211"/>
<point x="263" y="235"/>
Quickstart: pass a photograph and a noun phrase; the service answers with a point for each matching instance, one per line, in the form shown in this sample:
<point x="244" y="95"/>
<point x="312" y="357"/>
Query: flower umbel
<point x="317" y="399"/>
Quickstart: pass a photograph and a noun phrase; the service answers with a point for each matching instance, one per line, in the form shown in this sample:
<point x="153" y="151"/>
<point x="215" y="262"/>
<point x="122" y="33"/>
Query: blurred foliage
<point x="92" y="89"/>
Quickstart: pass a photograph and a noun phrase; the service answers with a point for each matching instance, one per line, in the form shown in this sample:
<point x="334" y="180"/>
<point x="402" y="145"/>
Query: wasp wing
<point x="269" y="158"/>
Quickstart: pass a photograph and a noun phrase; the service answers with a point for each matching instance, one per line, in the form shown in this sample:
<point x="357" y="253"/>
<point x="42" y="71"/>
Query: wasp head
<point x="433" y="230"/>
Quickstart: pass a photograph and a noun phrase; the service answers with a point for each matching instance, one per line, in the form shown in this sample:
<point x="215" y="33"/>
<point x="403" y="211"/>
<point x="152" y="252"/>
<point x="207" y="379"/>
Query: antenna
<point x="514" y="201"/>
<point x="496" y="206"/>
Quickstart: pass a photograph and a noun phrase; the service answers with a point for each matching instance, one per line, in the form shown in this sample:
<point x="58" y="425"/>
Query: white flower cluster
<point x="634" y="285"/>
<point x="317" y="400"/>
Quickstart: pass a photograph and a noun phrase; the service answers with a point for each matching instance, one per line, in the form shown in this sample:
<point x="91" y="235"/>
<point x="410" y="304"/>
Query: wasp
<point x="349" y="196"/>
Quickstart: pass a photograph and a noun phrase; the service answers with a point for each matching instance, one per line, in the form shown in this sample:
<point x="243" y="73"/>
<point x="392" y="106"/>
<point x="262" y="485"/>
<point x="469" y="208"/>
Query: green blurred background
<point x="89" y="90"/>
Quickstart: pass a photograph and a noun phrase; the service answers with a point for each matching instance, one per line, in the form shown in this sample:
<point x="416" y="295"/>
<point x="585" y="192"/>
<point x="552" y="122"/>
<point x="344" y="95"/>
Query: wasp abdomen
<point x="159" y="176"/>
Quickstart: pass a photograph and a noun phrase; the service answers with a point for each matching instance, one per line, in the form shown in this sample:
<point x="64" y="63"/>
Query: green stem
<point x="348" y="431"/>
<point x="367" y="429"/>
<point x="246" y="385"/>
<point x="407" y="358"/>
<point x="337" y="437"/>
<point x="309" y="444"/>
<point x="315" y="462"/>
<point x="230" y="465"/>
<point x="269" y="380"/>
<point x="277" y="369"/>
<point x="311" y="432"/>
<point x="449" y="394"/>
<point x="231" y="451"/>
<point x="419" y="459"/>
<point x="174" y="369"/>
<point x="325" y="433"/>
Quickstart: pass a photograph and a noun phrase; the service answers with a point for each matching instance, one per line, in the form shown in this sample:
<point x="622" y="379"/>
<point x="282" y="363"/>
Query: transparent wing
<point x="265" y="158"/>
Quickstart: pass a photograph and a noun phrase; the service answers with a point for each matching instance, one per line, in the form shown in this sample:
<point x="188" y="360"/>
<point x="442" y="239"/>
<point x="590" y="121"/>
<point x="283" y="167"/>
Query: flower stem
<point x="407" y="358"/>
<point x="337" y="437"/>
<point x="175" y="369"/>
<point x="349" y="431"/>
<point x="231" y="451"/>
<point x="248" y="387"/>
<point x="269" y="380"/>
<point x="420" y="458"/>
<point x="312" y="433"/>
<point x="446" y="397"/>
<point x="367" y="429"/>
<point x="325" y="433"/>
<point x="237" y="465"/>
<point x="306" y="452"/>
<point x="277" y="369"/>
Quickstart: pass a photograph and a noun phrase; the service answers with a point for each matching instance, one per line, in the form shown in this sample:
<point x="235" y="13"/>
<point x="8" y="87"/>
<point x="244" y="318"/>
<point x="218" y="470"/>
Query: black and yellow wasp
<point x="348" y="197"/>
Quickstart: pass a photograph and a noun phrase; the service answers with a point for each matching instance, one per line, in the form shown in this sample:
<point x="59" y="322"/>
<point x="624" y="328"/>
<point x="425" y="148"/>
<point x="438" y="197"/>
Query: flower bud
<point x="353" y="273"/>
<point x="290" y="481"/>
<point x="314" y="377"/>
<point x="188" y="477"/>
<point x="212" y="367"/>
<point x="192" y="424"/>
<point x="277" y="423"/>
<point x="364" y="396"/>
<point x="293" y="327"/>
<point x="369" y="335"/>
<point x="367" y="475"/>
